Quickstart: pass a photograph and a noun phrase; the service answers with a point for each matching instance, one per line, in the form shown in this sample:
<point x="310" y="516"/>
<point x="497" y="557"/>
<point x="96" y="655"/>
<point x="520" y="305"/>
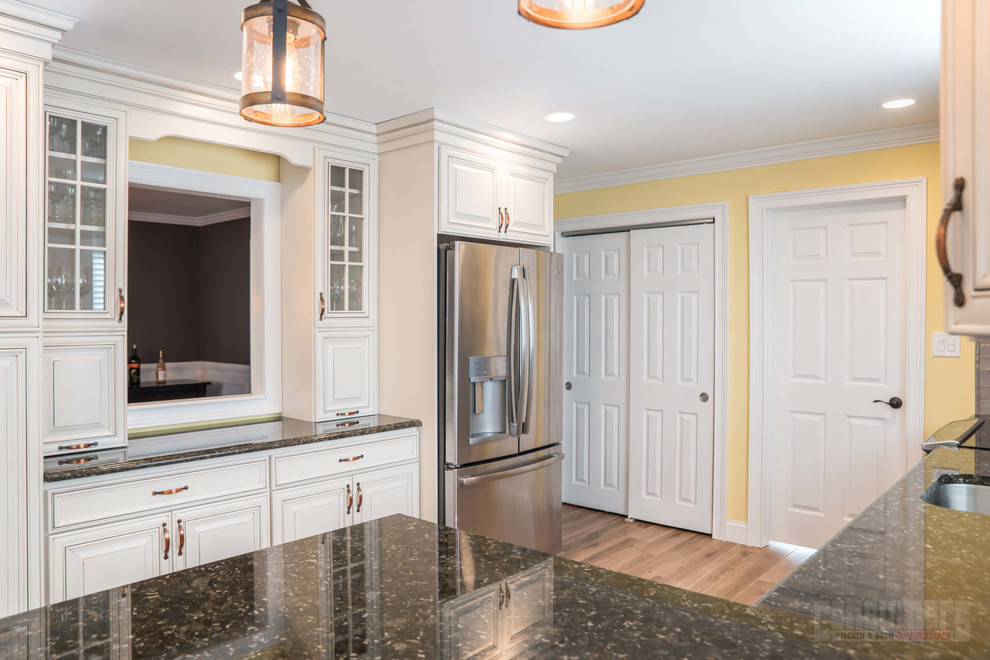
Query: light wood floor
<point x="677" y="557"/>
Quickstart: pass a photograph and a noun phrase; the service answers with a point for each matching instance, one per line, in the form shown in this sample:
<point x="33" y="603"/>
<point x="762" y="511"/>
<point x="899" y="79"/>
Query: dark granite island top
<point x="157" y="450"/>
<point x="403" y="588"/>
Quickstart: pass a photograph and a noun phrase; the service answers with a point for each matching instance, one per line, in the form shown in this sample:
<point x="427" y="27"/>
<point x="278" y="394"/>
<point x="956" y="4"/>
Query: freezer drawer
<point x="516" y="500"/>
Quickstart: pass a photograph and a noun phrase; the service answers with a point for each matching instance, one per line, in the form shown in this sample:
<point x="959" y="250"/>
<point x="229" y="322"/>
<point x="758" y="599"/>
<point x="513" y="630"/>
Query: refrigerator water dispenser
<point x="488" y="397"/>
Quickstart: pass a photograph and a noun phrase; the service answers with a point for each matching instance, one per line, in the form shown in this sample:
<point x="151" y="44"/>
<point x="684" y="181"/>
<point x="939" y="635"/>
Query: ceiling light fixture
<point x="559" y="117"/>
<point x="897" y="103"/>
<point x="282" y="58"/>
<point x="578" y="14"/>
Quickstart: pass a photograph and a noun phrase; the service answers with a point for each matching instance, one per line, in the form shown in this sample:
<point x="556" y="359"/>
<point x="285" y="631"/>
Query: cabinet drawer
<point x="92" y="503"/>
<point x="327" y="462"/>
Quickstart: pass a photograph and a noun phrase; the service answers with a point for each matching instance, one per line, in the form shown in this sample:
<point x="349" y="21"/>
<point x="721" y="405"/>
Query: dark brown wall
<point x="190" y="291"/>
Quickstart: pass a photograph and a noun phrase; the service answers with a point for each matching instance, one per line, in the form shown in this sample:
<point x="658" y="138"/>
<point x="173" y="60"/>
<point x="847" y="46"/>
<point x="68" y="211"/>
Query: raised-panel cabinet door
<point x="527" y="198"/>
<point x="965" y="145"/>
<point x="468" y="194"/>
<point x="347" y="372"/>
<point x="211" y="533"/>
<point x="311" y="510"/>
<point x="108" y="556"/>
<point x="528" y="608"/>
<point x="13" y="459"/>
<point x="13" y="201"/>
<point x="386" y="492"/>
<point x="83" y="394"/>
<point x="472" y="625"/>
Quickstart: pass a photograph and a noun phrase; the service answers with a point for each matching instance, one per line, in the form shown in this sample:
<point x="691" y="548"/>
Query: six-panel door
<point x="210" y="533"/>
<point x="108" y="556"/>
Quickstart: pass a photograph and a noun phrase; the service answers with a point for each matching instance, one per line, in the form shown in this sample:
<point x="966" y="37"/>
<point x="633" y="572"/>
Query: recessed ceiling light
<point x="559" y="117"/>
<point x="237" y="74"/>
<point x="898" y="103"/>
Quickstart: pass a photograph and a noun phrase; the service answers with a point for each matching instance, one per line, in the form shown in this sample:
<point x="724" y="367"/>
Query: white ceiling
<point x="683" y="79"/>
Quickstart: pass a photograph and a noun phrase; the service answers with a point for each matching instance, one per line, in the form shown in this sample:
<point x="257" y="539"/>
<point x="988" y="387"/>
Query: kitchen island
<point x="402" y="587"/>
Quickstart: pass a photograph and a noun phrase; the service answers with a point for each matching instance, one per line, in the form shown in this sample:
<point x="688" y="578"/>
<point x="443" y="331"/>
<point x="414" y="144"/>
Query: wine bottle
<point x="160" y="369"/>
<point x="134" y="368"/>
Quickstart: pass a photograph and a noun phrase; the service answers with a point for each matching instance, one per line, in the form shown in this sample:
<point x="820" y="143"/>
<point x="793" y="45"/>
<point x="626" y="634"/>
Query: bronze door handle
<point x="323" y="306"/>
<point x="955" y="279"/>
<point x="500" y="220"/>
<point x="501" y="597"/>
<point x="895" y="402"/>
<point x="360" y="497"/>
<point x="351" y="459"/>
<point x="350" y="499"/>
<point x="171" y="491"/>
<point x="122" y="305"/>
<point x="168" y="539"/>
<point x="507" y="221"/>
<point x="182" y="536"/>
<point x="85" y="445"/>
<point x="508" y="594"/>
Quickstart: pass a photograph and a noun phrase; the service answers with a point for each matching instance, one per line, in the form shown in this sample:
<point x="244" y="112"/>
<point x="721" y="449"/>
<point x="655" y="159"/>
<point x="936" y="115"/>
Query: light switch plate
<point x="945" y="345"/>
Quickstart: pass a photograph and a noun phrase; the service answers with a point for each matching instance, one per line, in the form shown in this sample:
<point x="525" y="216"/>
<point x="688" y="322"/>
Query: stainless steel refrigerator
<point x="501" y="402"/>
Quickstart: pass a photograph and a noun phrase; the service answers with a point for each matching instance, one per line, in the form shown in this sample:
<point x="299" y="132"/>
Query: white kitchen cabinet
<point x="85" y="215"/>
<point x="218" y="531"/>
<point x="469" y="194"/>
<point x="82" y="393"/>
<point x="472" y="625"/>
<point x="107" y="556"/>
<point x="348" y="372"/>
<point x="310" y="510"/>
<point x="965" y="145"/>
<point x="386" y="492"/>
<point x="492" y="198"/>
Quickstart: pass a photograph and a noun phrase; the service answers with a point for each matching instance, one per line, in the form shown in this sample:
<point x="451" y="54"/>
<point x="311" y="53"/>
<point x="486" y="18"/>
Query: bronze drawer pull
<point x="360" y="497"/>
<point x="85" y="445"/>
<point x="955" y="279"/>
<point x="168" y="539"/>
<point x="350" y="499"/>
<point x="345" y="424"/>
<point x="351" y="459"/>
<point x="348" y="414"/>
<point x="172" y="491"/>
<point x="78" y="461"/>
<point x="182" y="536"/>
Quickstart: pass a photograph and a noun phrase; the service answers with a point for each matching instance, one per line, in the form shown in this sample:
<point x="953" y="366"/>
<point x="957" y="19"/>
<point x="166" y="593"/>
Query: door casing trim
<point x="761" y="208"/>
<point x="671" y="215"/>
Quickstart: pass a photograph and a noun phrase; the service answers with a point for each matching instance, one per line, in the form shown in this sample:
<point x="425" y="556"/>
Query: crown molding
<point x="27" y="31"/>
<point x="189" y="220"/>
<point x="434" y="124"/>
<point x="40" y="16"/>
<point x="834" y="146"/>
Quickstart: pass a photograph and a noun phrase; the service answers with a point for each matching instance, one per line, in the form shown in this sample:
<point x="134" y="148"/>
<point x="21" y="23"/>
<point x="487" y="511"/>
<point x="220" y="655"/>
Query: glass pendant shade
<point x="282" y="60"/>
<point x="578" y="14"/>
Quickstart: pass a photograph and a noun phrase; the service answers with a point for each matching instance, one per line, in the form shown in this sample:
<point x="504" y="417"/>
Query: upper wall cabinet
<point x="963" y="238"/>
<point x="491" y="198"/>
<point x="85" y="218"/>
<point x="346" y="261"/>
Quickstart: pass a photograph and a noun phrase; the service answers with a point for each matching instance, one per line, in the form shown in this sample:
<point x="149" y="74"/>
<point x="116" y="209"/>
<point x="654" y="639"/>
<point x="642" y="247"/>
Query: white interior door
<point x="672" y="375"/>
<point x="596" y="330"/>
<point x="835" y="327"/>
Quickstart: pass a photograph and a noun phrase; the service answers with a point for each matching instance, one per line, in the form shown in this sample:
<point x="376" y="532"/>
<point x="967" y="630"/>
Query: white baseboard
<point x="736" y="532"/>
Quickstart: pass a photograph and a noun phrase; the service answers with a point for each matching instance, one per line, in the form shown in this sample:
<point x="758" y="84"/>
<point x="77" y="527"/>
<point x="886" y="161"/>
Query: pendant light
<point x="578" y="14"/>
<point x="282" y="58"/>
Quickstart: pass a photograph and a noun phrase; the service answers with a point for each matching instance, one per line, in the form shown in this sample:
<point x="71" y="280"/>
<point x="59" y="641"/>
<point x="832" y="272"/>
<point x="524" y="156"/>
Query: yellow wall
<point x="949" y="387"/>
<point x="205" y="156"/>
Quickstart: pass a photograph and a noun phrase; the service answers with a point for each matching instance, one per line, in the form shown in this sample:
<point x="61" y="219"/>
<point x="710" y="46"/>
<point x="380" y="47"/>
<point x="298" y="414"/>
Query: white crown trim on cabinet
<point x="833" y="146"/>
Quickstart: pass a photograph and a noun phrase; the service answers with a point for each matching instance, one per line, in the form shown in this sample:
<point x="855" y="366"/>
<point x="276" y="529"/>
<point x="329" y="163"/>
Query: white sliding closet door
<point x="596" y="331"/>
<point x="672" y="375"/>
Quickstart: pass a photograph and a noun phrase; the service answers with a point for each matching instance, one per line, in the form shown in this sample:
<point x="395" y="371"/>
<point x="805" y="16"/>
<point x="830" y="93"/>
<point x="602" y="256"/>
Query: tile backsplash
<point x="983" y="376"/>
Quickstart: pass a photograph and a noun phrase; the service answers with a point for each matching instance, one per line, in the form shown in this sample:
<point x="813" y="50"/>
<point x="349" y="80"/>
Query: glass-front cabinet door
<point x="82" y="278"/>
<point x="347" y="260"/>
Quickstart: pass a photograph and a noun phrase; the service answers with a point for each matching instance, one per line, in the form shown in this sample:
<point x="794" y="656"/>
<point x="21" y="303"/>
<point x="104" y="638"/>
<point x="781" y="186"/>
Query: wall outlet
<point x="945" y="345"/>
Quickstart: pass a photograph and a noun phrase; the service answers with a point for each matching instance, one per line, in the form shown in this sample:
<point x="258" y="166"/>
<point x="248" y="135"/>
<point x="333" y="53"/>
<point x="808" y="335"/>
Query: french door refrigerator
<point x="501" y="402"/>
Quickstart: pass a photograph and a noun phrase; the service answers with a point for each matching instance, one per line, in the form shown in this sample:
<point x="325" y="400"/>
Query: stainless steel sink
<point x="962" y="492"/>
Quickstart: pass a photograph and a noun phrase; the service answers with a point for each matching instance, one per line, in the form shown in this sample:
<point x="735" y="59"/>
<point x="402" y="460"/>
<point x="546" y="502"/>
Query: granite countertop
<point x="903" y="564"/>
<point x="401" y="587"/>
<point x="157" y="450"/>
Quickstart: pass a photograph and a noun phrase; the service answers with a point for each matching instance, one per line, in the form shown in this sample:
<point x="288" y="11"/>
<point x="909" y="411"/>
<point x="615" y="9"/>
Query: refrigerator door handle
<point x="512" y="345"/>
<point x="526" y="352"/>
<point x="529" y="467"/>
